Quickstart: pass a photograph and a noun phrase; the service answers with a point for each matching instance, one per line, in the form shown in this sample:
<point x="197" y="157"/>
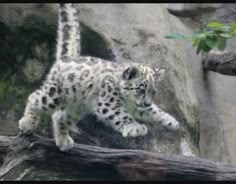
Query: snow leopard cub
<point x="119" y="94"/>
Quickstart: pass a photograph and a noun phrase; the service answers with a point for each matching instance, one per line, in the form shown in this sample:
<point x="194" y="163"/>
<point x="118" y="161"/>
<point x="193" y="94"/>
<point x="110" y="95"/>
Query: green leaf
<point x="214" y="35"/>
<point x="215" y="24"/>
<point x="175" y="36"/>
<point x="233" y="25"/>
<point x="221" y="43"/>
<point x="202" y="46"/>
<point x="206" y="48"/>
<point x="233" y="33"/>
<point x="225" y="29"/>
<point x="196" y="42"/>
<point x="226" y="35"/>
<point x="211" y="41"/>
<point x="199" y="47"/>
<point x="198" y="35"/>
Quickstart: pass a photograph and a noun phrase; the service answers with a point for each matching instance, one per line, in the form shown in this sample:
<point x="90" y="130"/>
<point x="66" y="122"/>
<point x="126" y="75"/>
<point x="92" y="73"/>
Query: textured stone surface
<point x="215" y="92"/>
<point x="131" y="33"/>
<point x="27" y="52"/>
<point x="191" y="9"/>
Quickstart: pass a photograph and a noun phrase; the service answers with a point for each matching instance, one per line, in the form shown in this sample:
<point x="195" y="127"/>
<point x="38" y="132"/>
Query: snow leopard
<point x="119" y="94"/>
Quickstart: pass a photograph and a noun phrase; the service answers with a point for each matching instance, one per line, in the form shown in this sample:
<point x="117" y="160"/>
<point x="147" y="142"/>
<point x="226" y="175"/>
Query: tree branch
<point x="28" y="156"/>
<point x="224" y="63"/>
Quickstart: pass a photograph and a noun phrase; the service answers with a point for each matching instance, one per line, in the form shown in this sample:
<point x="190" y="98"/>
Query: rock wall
<point x="120" y="33"/>
<point x="215" y="92"/>
<point x="27" y="52"/>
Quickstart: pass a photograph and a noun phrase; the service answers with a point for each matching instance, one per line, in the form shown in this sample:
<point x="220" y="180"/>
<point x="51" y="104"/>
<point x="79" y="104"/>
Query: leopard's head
<point x="137" y="85"/>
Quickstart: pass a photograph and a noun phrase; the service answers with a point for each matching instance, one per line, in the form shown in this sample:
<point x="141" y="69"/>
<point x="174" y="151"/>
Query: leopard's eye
<point x="142" y="91"/>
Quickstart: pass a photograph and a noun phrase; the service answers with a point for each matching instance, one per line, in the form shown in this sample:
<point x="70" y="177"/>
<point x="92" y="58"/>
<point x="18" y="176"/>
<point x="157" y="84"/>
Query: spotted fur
<point x="119" y="94"/>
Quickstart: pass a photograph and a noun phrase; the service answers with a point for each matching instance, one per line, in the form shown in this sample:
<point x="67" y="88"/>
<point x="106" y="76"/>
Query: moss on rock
<point x="27" y="52"/>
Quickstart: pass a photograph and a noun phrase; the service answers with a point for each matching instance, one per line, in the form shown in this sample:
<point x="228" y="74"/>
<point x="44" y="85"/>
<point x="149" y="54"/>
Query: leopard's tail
<point x="68" y="36"/>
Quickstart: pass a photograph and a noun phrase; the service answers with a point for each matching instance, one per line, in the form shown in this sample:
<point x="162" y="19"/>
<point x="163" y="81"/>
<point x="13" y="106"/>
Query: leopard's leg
<point x="62" y="123"/>
<point x="154" y="114"/>
<point x="119" y="119"/>
<point x="110" y="110"/>
<point x="46" y="99"/>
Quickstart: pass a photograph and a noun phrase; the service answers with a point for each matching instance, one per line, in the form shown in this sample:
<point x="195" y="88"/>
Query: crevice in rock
<point x="93" y="44"/>
<point x="191" y="13"/>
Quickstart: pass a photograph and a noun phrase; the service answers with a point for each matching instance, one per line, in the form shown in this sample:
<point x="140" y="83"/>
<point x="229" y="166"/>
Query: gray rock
<point x="215" y="92"/>
<point x="33" y="70"/>
<point x="27" y="52"/>
<point x="191" y="9"/>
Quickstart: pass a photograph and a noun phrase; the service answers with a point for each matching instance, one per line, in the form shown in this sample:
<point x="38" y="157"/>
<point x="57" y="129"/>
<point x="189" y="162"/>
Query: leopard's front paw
<point x="64" y="142"/>
<point x="170" y="123"/>
<point x="27" y="126"/>
<point x="134" y="130"/>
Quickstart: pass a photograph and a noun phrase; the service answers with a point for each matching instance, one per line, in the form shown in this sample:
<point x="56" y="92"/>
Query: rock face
<point x="191" y="9"/>
<point x="215" y="92"/>
<point x="120" y="33"/>
<point x="27" y="52"/>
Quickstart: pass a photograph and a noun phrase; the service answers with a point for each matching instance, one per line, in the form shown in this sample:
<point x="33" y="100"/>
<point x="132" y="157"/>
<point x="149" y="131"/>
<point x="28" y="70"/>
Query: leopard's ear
<point x="130" y="73"/>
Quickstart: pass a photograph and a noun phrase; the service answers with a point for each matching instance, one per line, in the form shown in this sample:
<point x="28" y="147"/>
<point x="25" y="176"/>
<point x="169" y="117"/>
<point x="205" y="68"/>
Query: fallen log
<point x="34" y="157"/>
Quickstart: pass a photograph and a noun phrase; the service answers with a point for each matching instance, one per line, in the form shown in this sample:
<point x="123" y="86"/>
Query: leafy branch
<point x="214" y="35"/>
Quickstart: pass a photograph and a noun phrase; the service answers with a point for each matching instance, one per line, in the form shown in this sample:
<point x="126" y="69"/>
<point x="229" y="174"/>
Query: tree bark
<point x="224" y="63"/>
<point x="37" y="158"/>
